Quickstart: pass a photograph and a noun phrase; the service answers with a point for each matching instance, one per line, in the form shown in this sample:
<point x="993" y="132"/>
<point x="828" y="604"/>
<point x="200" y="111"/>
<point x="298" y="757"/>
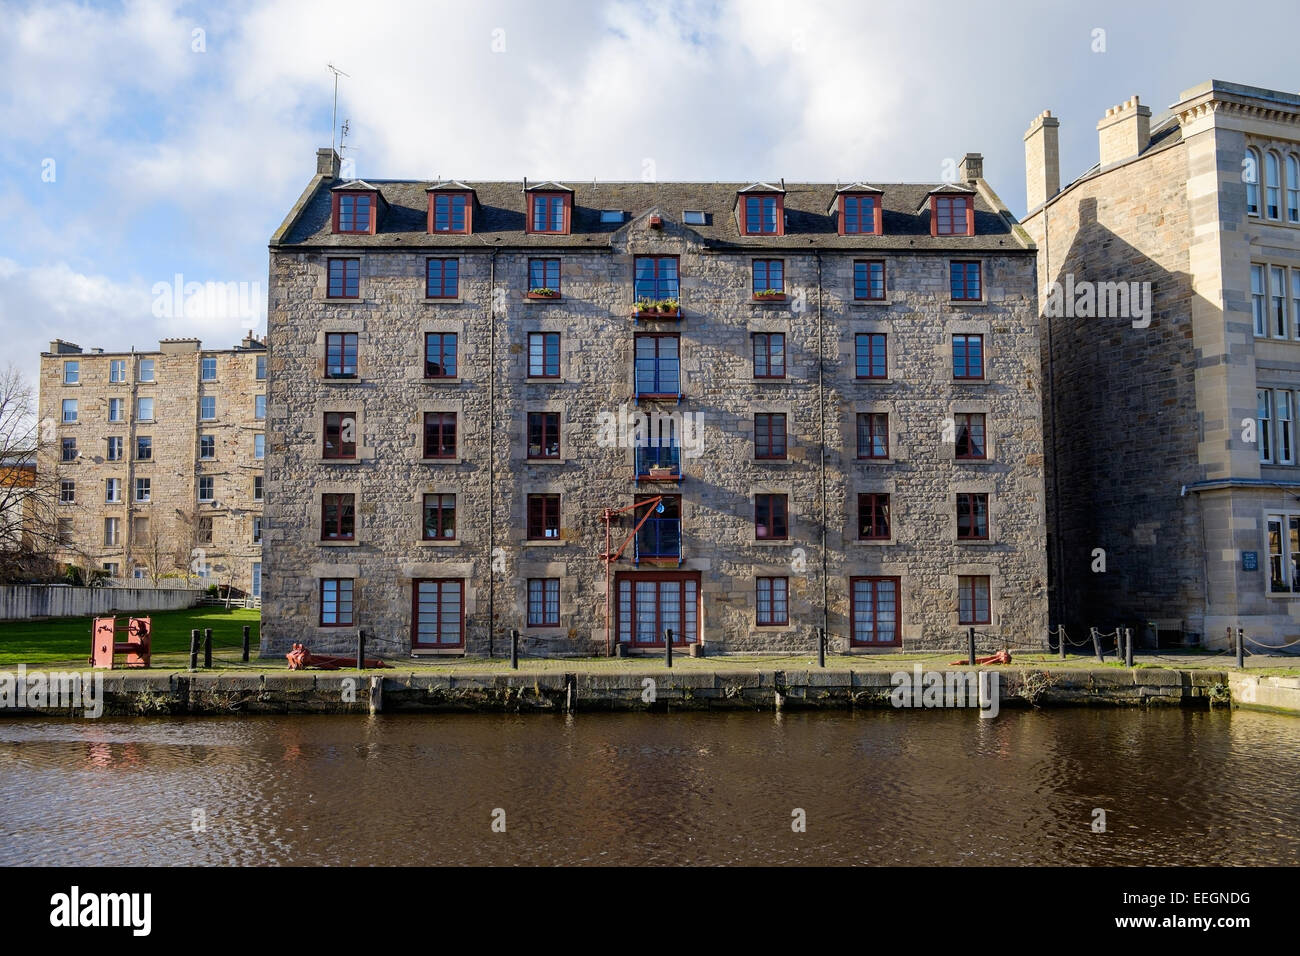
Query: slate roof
<point x="499" y="218"/>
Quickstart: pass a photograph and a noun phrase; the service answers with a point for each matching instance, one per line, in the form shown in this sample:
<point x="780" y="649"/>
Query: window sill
<point x="968" y="303"/>
<point x="977" y="542"/>
<point x="341" y="379"/>
<point x="438" y="652"/>
<point x="543" y="543"/>
<point x="974" y="461"/>
<point x="875" y="461"/>
<point x="774" y="628"/>
<point x="439" y="543"/>
<point x="773" y="461"/>
<point x="545" y="461"/>
<point x="339" y="544"/>
<point x="441" y="461"/>
<point x="441" y="380"/>
<point x="868" y="303"/>
<point x="529" y="297"/>
<point x="781" y="299"/>
<point x="969" y="381"/>
<point x="772" y="542"/>
<point x="338" y="461"/>
<point x="543" y="380"/>
<point x="443" y="300"/>
<point x="878" y="542"/>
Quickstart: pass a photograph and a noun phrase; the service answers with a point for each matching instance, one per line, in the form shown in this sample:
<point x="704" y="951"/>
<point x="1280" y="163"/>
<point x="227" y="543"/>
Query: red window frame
<point x="974" y="371"/>
<point x="339" y="603"/>
<point x="341" y="525"/>
<point x="549" y="344"/>
<point x="338" y="345"/>
<point x="440" y="510"/>
<point x="447" y="283"/>
<point x="868" y="280"/>
<point x="778" y="509"/>
<point x="549" y="266"/>
<point x="871" y="338"/>
<point x="349" y="277"/>
<point x="972" y="582"/>
<point x="467" y="212"/>
<point x="372" y="201"/>
<point x="876" y="426"/>
<point x="566" y="200"/>
<point x="974" y="426"/>
<point x="332" y="428"/>
<point x="746" y="226"/>
<point x="976" y="503"/>
<point x="873" y="516"/>
<point x="766" y="588"/>
<point x="945" y="208"/>
<point x="659" y="578"/>
<point x="543" y="516"/>
<point x="876" y="214"/>
<point x="875" y="585"/>
<point x="963" y="284"/>
<point x="442" y="585"/>
<point x="772" y="360"/>
<point x="543" y="426"/>
<point x="770" y="433"/>
<point x="447" y="345"/>
<point x="549" y="615"/>
<point x="766" y="267"/>
<point x="439" y="434"/>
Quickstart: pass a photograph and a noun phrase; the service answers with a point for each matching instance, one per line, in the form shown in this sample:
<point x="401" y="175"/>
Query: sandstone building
<point x="774" y="406"/>
<point x="159" y="458"/>
<point x="1173" y="478"/>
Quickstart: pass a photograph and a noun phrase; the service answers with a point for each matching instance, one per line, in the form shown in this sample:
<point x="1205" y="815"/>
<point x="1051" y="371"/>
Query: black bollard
<point x="821" y="647"/>
<point x="247" y="629"/>
<point x="1060" y="638"/>
<point x="1241" y="648"/>
<point x="970" y="646"/>
<point x="668" y="647"/>
<point x="1128" y="647"/>
<point x="1096" y="645"/>
<point x="194" y="649"/>
<point x="207" y="647"/>
<point x="361" y="648"/>
<point x="514" y="650"/>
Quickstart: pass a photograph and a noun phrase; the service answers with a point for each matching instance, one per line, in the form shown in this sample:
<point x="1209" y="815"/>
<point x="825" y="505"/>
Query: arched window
<point x="1292" y="188"/>
<point x="1250" y="176"/>
<point x="1272" y="186"/>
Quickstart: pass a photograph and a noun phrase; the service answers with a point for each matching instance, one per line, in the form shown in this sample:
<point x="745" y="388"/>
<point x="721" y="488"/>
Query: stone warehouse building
<point x="158" y="457"/>
<point x="774" y="407"/>
<point x="1173" y="478"/>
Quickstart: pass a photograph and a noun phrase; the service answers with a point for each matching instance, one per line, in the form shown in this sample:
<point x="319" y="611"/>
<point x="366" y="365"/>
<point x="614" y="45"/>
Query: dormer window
<point x="450" y="212"/>
<point x="952" y="215"/>
<point x="762" y="215"/>
<point x="356" y="208"/>
<point x="549" y="212"/>
<point x="860" y="214"/>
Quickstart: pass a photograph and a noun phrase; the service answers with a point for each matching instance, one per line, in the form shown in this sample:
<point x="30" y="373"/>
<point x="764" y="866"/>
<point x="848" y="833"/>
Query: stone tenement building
<point x="158" y="455"/>
<point x="1173" y="481"/>
<point x="798" y="405"/>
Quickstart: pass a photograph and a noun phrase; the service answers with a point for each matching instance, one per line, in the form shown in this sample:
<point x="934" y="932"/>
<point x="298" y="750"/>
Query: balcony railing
<point x="659" y="462"/>
<point x="659" y="540"/>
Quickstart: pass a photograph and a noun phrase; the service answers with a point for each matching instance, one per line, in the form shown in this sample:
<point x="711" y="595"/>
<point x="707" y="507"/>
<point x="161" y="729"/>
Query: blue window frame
<point x="656" y="278"/>
<point x="658" y="365"/>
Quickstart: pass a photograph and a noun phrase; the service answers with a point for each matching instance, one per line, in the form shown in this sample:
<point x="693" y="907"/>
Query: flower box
<point x="543" y="293"/>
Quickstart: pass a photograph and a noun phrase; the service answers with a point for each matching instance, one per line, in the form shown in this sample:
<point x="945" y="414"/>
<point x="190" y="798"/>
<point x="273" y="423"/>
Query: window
<point x="655" y="278"/>
<point x="257" y="529"/>
<point x="972" y="517"/>
<point x="543" y="602"/>
<point x="68" y="492"/>
<point x="111" y="568"/>
<point x="868" y="279"/>
<point x="658" y="365"/>
<point x="439" y="517"/>
<point x="64" y="532"/>
<point x="968" y="356"/>
<point x="543" y="517"/>
<point x="116" y="409"/>
<point x="114" y="449"/>
<point x="68" y="447"/>
<point x="543" y="434"/>
<point x="259" y="446"/>
<point x="142" y="489"/>
<point x="611" y="215"/>
<point x="442" y="278"/>
<point x="207" y="407"/>
<point x="1295" y="300"/>
<point x="144" y="409"/>
<point x="117" y="370"/>
<point x="259" y="371"/>
<point x="693" y="217"/>
<point x="973" y="600"/>
<point x="340" y="435"/>
<point x="769" y="354"/>
<point x="771" y="601"/>
<point x="1272" y="186"/>
<point x="1264" y="421"/>
<point x="873" y="517"/>
<point x="969" y="435"/>
<point x="206" y="488"/>
<point x="543" y="354"/>
<point x="1284" y="553"/>
<point x="953" y="216"/>
<point x="771" y="517"/>
<point x="146" y="370"/>
<point x="870" y="355"/>
<point x="354" y="212"/>
<point x="873" y="435"/>
<point x="1258" y="308"/>
<point x="140" y="528"/>
<point x="550" y="213"/>
<point x="762" y="216"/>
<point x="875" y="612"/>
<point x="112" y="531"/>
<point x="337" y="517"/>
<point x="259" y="407"/>
<point x="964" y="279"/>
<point x="660" y="534"/>
<point x="437" y="613"/>
<point x="859" y="215"/>
<point x="769" y="436"/>
<point x="769" y="276"/>
<point x="71" y="373"/>
<point x="440" y="435"/>
<point x="112" y="490"/>
<point x="336" y="602"/>
<point x="344" y="279"/>
<point x="208" y="369"/>
<point x="440" y="355"/>
<point x="1250" y="173"/>
<point x="1277" y="292"/>
<point x="203" y="530"/>
<point x="451" y="212"/>
<point x="69" y="410"/>
<point x="1276" y="426"/>
<point x="1292" y="188"/>
<point x="544" y="276"/>
<point x="341" y="355"/>
<point x="1285" y="427"/>
<point x="143" y="448"/>
<point x="257" y="487"/>
<point x="255" y="586"/>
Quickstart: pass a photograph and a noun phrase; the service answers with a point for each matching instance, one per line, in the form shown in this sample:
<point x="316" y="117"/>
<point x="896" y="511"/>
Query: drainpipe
<point x="492" y="449"/>
<point x="1051" y="412"/>
<point x="821" y="414"/>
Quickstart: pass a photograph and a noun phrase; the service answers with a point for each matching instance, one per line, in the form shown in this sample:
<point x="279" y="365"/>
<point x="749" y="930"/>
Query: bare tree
<point x="29" y="485"/>
<point x="191" y="544"/>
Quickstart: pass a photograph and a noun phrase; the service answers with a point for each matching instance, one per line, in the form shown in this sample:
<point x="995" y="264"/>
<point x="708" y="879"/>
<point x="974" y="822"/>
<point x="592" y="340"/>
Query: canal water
<point x="875" y="787"/>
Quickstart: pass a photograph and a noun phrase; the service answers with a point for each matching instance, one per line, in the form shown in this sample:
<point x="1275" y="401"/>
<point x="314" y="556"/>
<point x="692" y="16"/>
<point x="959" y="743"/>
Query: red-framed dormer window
<point x="451" y="212"/>
<point x="860" y="215"/>
<point x="549" y="212"/>
<point x="354" y="212"/>
<point x="762" y="214"/>
<point x="952" y="216"/>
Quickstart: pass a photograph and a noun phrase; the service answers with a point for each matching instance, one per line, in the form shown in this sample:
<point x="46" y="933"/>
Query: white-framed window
<point x="71" y="373"/>
<point x="208" y="368"/>
<point x="205" y="488"/>
<point x="207" y="446"/>
<point x="259" y="446"/>
<point x="115" y="448"/>
<point x="117" y="370"/>
<point x="1250" y="175"/>
<point x="259" y="406"/>
<point x="1272" y="186"/>
<point x="208" y="408"/>
<point x="1264" y="423"/>
<point x="1277" y="300"/>
<point x="257" y="487"/>
<point x="256" y="588"/>
<point x="146" y="370"/>
<point x="1292" y="188"/>
<point x="1283" y="404"/>
<point x="69" y="410"/>
<point x="67" y="492"/>
<point x="1295" y="301"/>
<point x="1283" y="542"/>
<point x="144" y="409"/>
<point x="112" y="490"/>
<point x="116" y="409"/>
<point x="112" y="530"/>
<point x="143" y="487"/>
<point x="257" y="530"/>
<point x="1258" y="307"/>
<point x="260" y="367"/>
<point x="140" y="572"/>
<point x="110" y="568"/>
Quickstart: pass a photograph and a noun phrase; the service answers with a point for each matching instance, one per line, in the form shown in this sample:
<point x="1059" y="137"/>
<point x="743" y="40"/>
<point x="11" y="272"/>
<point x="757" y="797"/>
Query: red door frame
<point x="678" y="639"/>
<point x="898" y="611"/>
<point x="415" y="611"/>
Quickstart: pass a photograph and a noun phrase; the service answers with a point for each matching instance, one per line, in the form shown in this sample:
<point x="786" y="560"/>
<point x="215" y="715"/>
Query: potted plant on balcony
<point x="543" y="293"/>
<point x="661" y="471"/>
<point x="669" y="306"/>
<point x="770" y="295"/>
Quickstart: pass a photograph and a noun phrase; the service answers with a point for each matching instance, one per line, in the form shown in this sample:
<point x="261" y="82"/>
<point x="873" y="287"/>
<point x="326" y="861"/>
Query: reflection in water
<point x="878" y="787"/>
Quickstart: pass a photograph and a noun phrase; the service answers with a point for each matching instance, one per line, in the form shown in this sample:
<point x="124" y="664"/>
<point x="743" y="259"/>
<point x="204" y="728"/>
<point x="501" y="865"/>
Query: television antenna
<point x="334" y="116"/>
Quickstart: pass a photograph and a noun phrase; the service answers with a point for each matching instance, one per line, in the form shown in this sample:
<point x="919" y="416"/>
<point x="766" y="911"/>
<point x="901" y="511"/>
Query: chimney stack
<point x="971" y="168"/>
<point x="1124" y="132"/>
<point x="60" y="347"/>
<point x="328" y="163"/>
<point x="1042" y="160"/>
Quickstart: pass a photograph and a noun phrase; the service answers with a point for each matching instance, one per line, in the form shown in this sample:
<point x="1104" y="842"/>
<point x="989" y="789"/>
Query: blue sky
<point x="181" y="133"/>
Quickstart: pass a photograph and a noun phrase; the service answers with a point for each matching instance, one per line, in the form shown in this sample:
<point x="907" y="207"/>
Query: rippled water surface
<point x="877" y="788"/>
